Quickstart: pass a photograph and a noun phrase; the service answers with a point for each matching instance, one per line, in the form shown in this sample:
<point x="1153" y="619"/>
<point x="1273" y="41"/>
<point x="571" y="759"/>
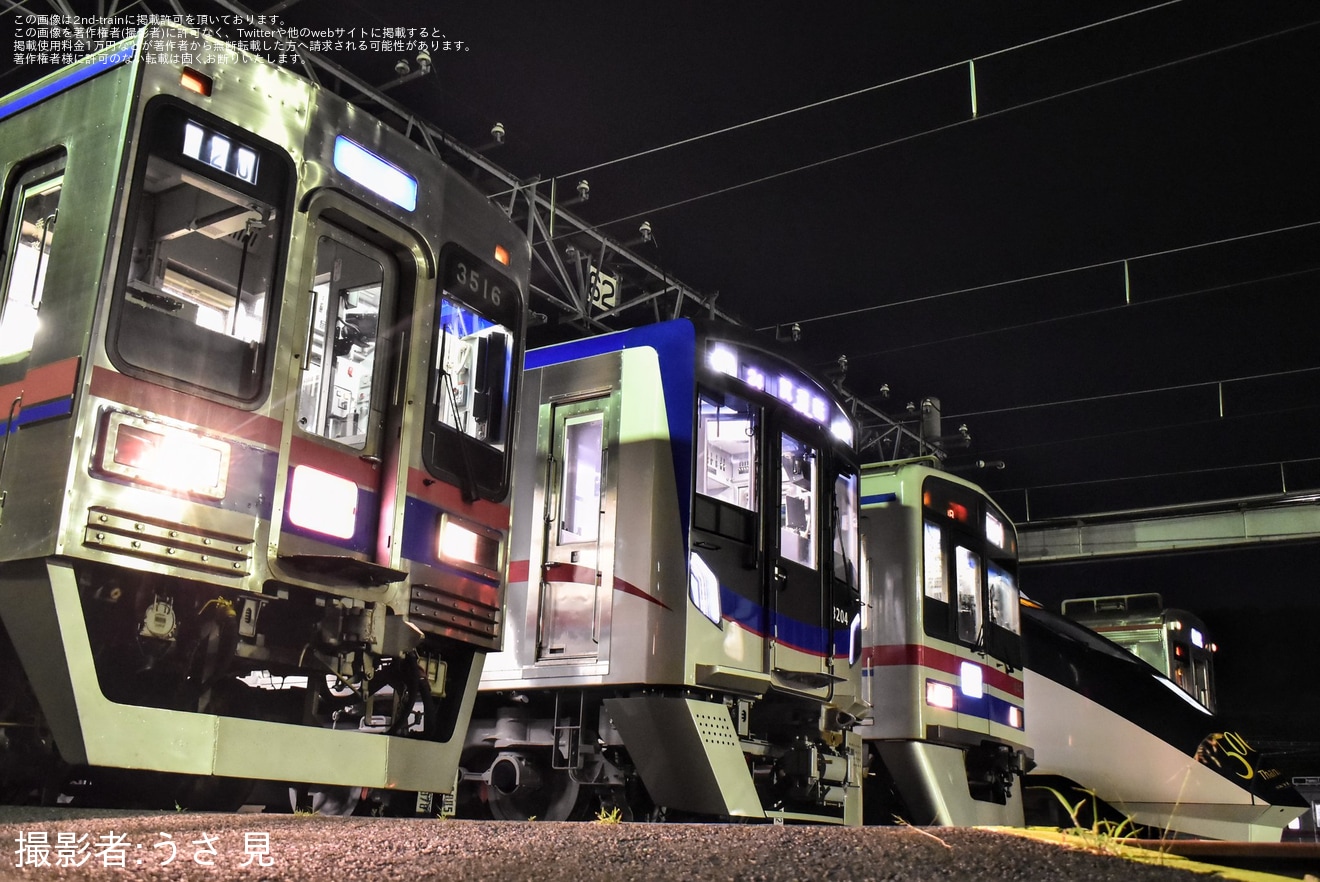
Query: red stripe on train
<point x="186" y="408"/>
<point x="893" y="655"/>
<point x="520" y="571"/>
<point x="49" y="382"/>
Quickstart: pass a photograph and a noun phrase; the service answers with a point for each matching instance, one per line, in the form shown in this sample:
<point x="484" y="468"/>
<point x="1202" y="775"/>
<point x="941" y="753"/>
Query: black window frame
<point x="939" y="617"/>
<point x="276" y="185"/>
<point x="24" y="176"/>
<point x="478" y="468"/>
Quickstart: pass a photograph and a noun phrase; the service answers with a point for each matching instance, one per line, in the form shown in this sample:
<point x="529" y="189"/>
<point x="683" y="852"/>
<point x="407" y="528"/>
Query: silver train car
<point x="1118" y="737"/>
<point x="258" y="365"/>
<point x="942" y="651"/>
<point x="683" y="607"/>
<point x="1173" y="641"/>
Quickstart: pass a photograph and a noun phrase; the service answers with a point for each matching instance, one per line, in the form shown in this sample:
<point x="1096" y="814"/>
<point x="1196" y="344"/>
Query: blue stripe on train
<point x="987" y="707"/>
<point x="84" y="71"/>
<point x="36" y="413"/>
<point x="754" y="617"/>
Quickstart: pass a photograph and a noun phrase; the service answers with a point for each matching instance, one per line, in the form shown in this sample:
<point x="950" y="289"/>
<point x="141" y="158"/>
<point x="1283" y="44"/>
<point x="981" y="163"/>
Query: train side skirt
<point x="688" y="754"/>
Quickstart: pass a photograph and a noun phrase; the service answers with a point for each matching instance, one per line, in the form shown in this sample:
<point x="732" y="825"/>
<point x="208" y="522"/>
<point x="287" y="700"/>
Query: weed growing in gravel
<point x="609" y="816"/>
<point x="1102" y="836"/>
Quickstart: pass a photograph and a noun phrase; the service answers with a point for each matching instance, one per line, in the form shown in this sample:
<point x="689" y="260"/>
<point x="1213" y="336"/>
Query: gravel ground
<point x="216" y="847"/>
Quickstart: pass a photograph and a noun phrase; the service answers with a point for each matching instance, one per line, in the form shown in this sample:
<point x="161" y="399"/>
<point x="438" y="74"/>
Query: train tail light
<point x="323" y="503"/>
<point x="195" y="81"/>
<point x="470" y="546"/>
<point x="147" y="452"/>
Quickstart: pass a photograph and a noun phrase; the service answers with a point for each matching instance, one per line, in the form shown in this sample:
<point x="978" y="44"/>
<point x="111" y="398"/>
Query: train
<point x="990" y="709"/>
<point x="684" y="600"/>
<point x="259" y="361"/>
<point x="1124" y="742"/>
<point x="716" y="612"/>
<point x="276" y="469"/>
<point x="1173" y="641"/>
<point x="943" y="652"/>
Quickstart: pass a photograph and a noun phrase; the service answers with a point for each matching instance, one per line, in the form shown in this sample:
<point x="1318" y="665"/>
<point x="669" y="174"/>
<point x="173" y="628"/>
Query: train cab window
<point x="845" y="529"/>
<point x="32" y="210"/>
<point x="726" y="451"/>
<point x="967" y="569"/>
<point x="478" y="337"/>
<point x="335" y="398"/>
<point x="936" y="581"/>
<point x="1004" y="600"/>
<point x="199" y="274"/>
<point x="797" y="501"/>
<point x="847" y="595"/>
<point x="474" y="367"/>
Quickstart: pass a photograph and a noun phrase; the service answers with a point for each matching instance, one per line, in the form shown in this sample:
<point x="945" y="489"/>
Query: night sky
<point x="1109" y="274"/>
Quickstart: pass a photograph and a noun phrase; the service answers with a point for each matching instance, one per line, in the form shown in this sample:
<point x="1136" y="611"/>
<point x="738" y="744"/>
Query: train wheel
<point x="546" y="795"/>
<point x="325" y="799"/>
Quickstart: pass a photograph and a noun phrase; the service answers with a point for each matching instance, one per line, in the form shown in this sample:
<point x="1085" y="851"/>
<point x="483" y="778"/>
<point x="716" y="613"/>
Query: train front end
<point x="942" y="651"/>
<point x="251" y="530"/>
<point x="683" y="599"/>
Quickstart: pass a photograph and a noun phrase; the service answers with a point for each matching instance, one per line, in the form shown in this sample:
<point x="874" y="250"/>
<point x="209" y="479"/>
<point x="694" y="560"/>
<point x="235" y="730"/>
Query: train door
<point x="337" y="480"/>
<point x="574" y="594"/>
<point x="796" y="599"/>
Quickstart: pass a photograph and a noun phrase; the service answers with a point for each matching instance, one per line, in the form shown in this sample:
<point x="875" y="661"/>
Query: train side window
<point x="797" y="501"/>
<point x="199" y="274"/>
<point x="726" y="451"/>
<point x="33" y="206"/>
<point x="335" y="397"/>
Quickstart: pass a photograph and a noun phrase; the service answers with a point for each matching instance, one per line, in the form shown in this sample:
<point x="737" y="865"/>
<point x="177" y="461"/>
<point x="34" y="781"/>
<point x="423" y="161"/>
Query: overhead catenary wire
<point x="858" y="92"/>
<point x="1178" y="387"/>
<point x="851" y="154"/>
<point x="1050" y="274"/>
<point x="1088" y="313"/>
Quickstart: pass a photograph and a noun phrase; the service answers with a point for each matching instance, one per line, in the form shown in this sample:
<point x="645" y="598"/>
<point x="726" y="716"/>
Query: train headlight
<point x="855" y="639"/>
<point x="469" y="546"/>
<point x="148" y="452"/>
<point x="1015" y="716"/>
<point x="704" y="589"/>
<point x="323" y="503"/>
<point x="939" y="694"/>
<point x="970" y="680"/>
<point x="723" y="360"/>
<point x="842" y="429"/>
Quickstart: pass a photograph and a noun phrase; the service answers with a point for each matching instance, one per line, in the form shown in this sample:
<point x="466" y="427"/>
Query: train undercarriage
<point x="656" y="755"/>
<point x="180" y="658"/>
